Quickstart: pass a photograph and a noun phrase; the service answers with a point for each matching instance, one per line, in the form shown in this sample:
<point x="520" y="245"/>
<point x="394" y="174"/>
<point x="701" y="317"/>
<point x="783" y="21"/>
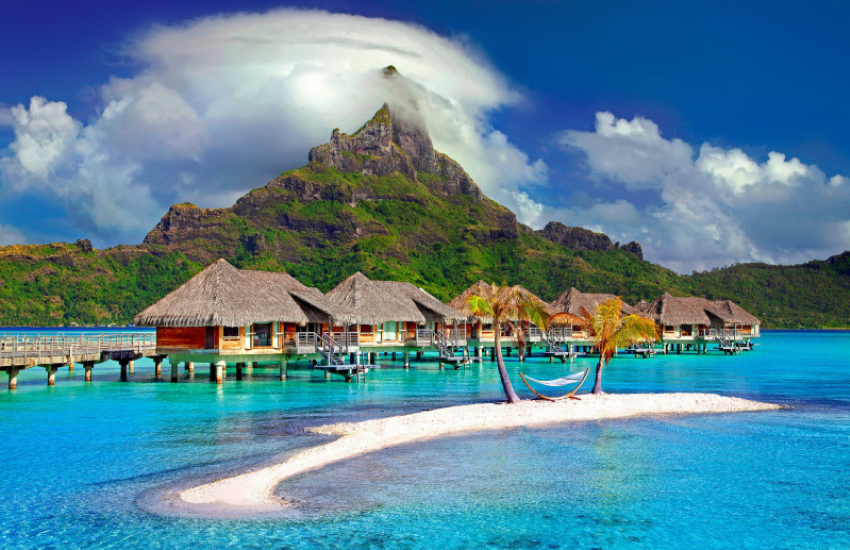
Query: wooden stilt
<point x="71" y="366"/>
<point x="283" y="366"/>
<point x="175" y="372"/>
<point x="239" y="367"/>
<point x="407" y="359"/>
<point x="220" y="372"/>
<point x="51" y="375"/>
<point x="88" y="368"/>
<point x="124" y="365"/>
<point x="13" y="377"/>
<point x="157" y="365"/>
<point x="132" y="366"/>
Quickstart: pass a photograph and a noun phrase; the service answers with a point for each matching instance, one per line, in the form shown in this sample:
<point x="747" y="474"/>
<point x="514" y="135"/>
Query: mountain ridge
<point x="384" y="202"/>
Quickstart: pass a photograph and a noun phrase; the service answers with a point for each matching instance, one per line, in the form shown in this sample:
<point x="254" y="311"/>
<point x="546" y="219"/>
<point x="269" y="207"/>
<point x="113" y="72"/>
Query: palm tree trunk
<point x="510" y="394"/>
<point x="597" y="385"/>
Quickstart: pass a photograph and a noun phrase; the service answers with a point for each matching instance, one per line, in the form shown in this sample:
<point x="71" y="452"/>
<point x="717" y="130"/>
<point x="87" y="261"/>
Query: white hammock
<point x="565" y="381"/>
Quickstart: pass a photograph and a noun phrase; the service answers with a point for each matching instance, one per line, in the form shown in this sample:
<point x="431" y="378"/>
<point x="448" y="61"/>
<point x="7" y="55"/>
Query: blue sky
<point x="704" y="99"/>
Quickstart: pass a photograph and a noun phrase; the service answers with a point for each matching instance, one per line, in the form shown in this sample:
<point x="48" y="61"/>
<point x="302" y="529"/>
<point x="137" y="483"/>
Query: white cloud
<point x="43" y="135"/>
<point x="837" y="180"/>
<point x="631" y="152"/>
<point x="716" y="209"/>
<point x="528" y="211"/>
<point x="223" y="104"/>
<point x="55" y="157"/>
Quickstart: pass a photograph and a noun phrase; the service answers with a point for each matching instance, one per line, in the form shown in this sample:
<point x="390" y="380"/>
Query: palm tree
<point x="507" y="307"/>
<point x="610" y="330"/>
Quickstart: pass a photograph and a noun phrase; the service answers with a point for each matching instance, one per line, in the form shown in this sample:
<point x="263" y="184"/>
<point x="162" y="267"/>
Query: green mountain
<point x="384" y="202"/>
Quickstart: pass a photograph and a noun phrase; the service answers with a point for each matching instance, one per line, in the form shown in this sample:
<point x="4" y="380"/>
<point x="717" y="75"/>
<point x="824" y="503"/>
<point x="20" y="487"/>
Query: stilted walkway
<point x="54" y="351"/>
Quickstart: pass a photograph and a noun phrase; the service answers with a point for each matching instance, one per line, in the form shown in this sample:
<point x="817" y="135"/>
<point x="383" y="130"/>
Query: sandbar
<point x="255" y="490"/>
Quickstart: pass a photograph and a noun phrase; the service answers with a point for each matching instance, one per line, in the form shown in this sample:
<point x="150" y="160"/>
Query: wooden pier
<point x="54" y="351"/>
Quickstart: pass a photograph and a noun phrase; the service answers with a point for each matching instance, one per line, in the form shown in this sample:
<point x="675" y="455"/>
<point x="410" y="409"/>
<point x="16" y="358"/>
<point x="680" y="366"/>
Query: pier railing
<point x="22" y="346"/>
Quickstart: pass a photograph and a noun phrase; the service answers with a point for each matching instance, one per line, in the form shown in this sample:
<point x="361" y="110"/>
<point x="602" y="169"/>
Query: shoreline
<point x="254" y="492"/>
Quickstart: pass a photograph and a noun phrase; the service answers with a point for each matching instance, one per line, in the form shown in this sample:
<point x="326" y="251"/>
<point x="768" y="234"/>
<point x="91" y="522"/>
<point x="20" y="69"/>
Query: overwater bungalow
<point x="576" y="303"/>
<point x="691" y="321"/>
<point x="480" y="331"/>
<point x="226" y="315"/>
<point x="394" y="316"/>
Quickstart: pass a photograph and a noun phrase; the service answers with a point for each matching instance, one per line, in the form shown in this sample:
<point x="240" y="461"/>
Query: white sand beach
<point x="256" y="490"/>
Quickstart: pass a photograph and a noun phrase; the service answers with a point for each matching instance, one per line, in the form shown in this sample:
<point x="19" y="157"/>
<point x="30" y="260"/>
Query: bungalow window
<point x="668" y="329"/>
<point x="687" y="330"/>
<point x="230" y="333"/>
<point x="263" y="335"/>
<point x="487" y="327"/>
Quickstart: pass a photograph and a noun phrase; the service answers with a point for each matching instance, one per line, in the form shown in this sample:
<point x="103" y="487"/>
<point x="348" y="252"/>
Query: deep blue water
<point x="81" y="461"/>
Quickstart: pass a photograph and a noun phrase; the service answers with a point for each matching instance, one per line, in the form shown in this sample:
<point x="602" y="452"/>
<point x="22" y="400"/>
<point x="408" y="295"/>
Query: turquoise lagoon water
<point x="81" y="463"/>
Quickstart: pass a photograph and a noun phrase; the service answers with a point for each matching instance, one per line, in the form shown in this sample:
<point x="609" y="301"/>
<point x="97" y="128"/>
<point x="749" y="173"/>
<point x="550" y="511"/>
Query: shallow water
<point x="78" y="458"/>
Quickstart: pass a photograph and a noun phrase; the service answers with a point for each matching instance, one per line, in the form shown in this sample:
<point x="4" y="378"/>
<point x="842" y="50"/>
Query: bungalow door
<point x="210" y="337"/>
<point x="262" y="335"/>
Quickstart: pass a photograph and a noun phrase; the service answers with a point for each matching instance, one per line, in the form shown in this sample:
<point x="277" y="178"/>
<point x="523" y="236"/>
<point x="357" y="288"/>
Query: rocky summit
<point x="578" y="238"/>
<point x="390" y="159"/>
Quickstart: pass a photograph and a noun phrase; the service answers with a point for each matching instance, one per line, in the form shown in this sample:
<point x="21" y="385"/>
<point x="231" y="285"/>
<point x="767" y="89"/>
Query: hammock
<point x="577" y="378"/>
<point x="565" y="381"/>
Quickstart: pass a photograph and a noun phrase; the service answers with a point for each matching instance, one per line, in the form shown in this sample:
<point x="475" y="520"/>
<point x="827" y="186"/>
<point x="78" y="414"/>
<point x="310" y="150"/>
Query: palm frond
<point x="634" y="329"/>
<point x="481" y="306"/>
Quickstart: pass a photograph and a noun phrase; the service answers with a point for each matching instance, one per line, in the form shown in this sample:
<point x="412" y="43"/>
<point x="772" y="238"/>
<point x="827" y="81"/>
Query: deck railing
<point x="457" y="336"/>
<point x="309" y="342"/>
<point x="347" y="340"/>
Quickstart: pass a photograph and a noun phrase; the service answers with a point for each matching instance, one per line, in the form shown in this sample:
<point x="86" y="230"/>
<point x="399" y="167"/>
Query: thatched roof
<point x="673" y="310"/>
<point x="730" y="312"/>
<point x="376" y="302"/>
<point x="574" y="302"/>
<point x="222" y="295"/>
<point x="461" y="304"/>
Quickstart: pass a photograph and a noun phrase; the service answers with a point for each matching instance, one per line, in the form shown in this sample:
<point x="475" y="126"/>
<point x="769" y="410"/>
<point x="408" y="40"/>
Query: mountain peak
<point x="395" y="140"/>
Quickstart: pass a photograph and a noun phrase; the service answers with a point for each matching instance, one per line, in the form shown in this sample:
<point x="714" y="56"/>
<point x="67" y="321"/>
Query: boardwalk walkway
<point x="53" y="351"/>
